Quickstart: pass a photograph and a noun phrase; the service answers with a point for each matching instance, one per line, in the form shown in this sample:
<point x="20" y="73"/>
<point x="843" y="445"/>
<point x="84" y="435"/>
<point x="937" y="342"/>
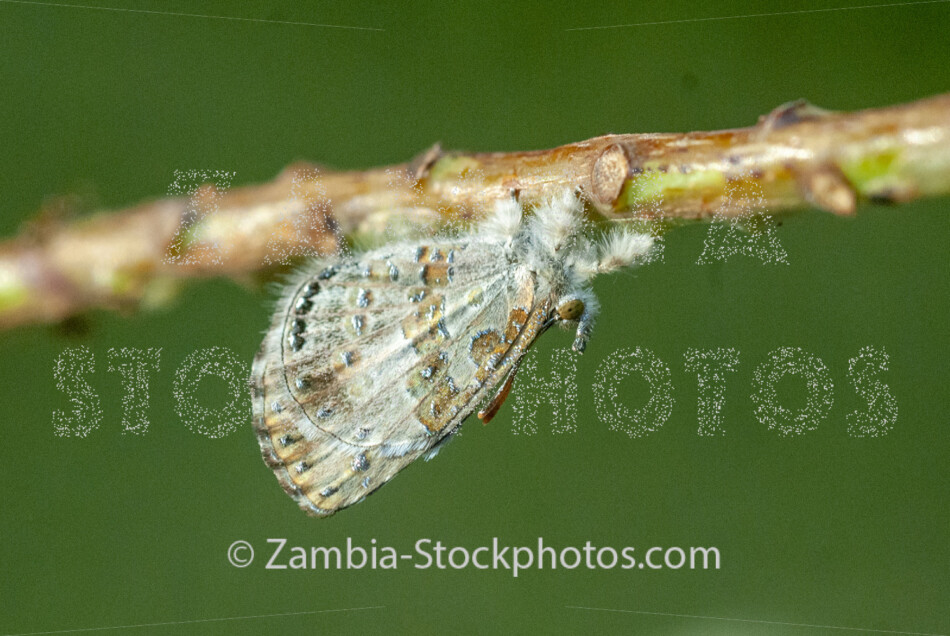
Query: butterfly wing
<point x="372" y="363"/>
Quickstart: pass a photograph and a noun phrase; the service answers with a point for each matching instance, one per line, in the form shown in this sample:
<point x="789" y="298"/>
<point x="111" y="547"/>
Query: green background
<point x="821" y="529"/>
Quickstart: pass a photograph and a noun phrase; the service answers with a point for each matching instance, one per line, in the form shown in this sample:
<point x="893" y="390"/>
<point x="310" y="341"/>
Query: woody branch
<point x="796" y="156"/>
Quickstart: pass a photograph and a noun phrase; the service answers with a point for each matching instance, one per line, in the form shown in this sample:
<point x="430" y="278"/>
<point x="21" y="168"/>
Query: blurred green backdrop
<point x="822" y="529"/>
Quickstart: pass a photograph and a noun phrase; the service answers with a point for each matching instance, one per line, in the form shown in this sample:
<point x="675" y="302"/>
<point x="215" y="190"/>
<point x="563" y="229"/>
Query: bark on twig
<point x="797" y="156"/>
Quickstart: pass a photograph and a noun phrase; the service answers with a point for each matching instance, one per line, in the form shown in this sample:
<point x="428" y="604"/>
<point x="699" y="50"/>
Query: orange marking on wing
<point x="526" y="329"/>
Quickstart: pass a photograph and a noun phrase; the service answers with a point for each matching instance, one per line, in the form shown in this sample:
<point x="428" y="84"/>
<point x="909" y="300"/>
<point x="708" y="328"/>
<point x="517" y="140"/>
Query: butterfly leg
<point x="491" y="409"/>
<point x="585" y="324"/>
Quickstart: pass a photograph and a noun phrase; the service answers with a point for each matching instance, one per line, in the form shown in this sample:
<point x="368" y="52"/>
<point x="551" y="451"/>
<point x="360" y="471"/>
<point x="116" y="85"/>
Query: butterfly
<point x="374" y="361"/>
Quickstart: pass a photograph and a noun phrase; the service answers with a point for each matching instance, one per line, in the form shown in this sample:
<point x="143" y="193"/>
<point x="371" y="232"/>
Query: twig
<point x="797" y="156"/>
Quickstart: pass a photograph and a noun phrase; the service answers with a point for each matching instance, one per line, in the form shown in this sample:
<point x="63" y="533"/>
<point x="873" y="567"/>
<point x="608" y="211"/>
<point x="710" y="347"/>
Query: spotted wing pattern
<point x="371" y="363"/>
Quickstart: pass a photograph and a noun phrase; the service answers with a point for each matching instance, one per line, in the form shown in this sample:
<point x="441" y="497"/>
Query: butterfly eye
<point x="570" y="310"/>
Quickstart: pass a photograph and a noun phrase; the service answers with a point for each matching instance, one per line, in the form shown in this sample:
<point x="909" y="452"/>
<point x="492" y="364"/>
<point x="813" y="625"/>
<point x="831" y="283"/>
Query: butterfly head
<point x="560" y="253"/>
<point x="570" y="310"/>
